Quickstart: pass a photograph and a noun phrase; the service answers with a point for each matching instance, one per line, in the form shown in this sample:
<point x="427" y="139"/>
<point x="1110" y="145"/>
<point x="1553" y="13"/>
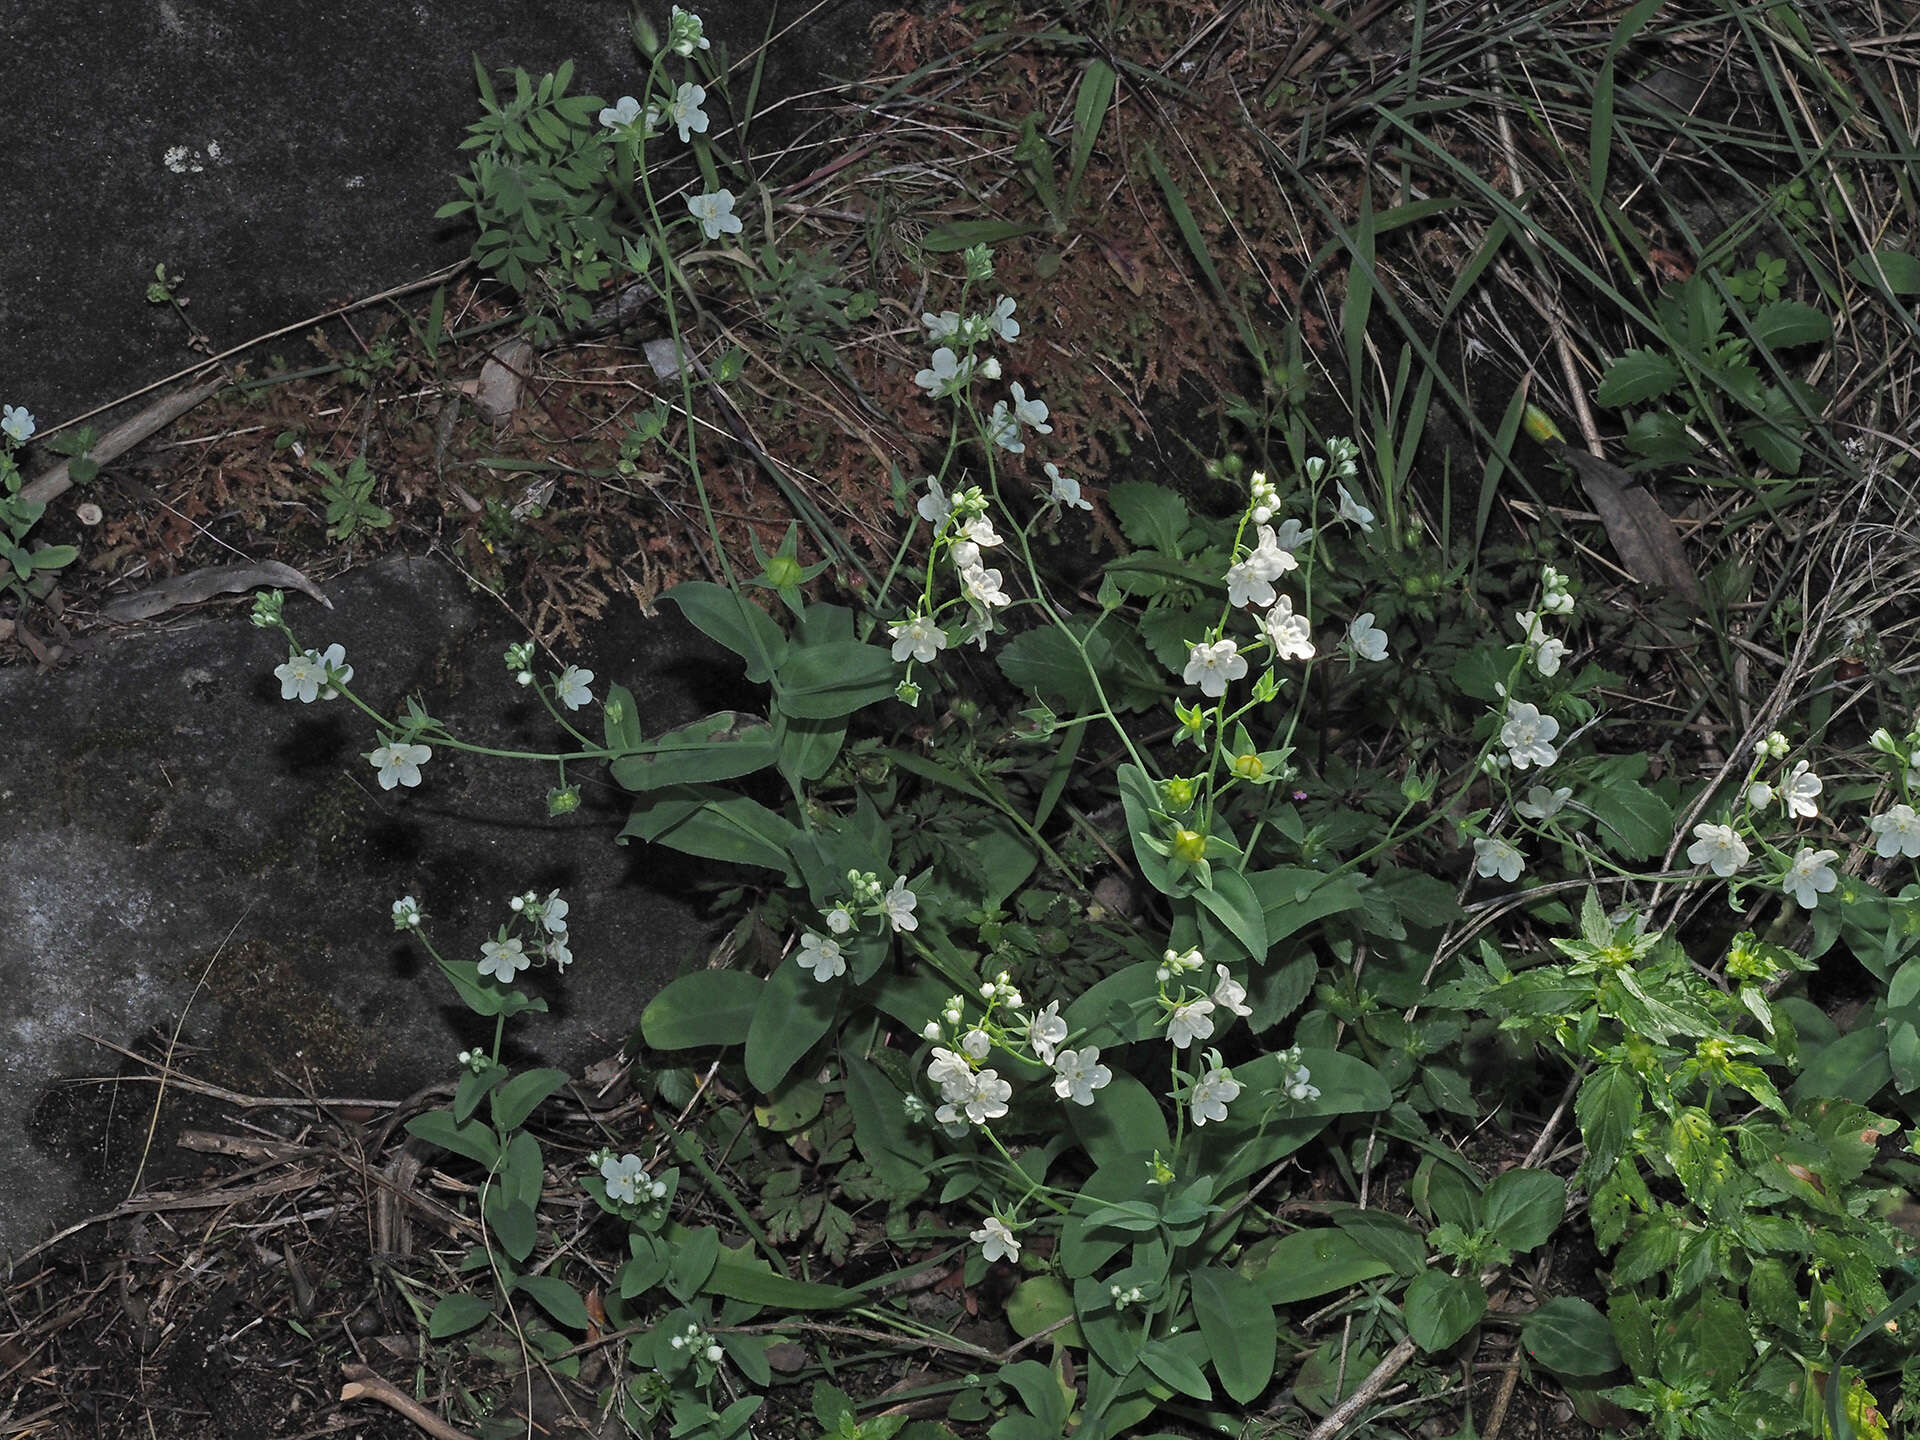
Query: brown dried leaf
<point x="1643" y="535"/>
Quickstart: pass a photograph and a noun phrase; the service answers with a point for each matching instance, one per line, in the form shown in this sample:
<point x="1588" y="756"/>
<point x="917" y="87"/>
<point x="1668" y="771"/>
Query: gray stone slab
<point x="165" y="816"/>
<point x="283" y="157"/>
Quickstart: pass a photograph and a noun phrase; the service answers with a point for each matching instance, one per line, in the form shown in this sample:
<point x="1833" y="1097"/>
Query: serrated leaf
<point x="1440" y="1308"/>
<point x="1608" y="1109"/>
<point x="1636" y="376"/>
<point x="1902" y="270"/>
<point x="1149" y="514"/>
<point x="1781" y="324"/>
<point x="1045" y="663"/>
<point x="1522" y="1208"/>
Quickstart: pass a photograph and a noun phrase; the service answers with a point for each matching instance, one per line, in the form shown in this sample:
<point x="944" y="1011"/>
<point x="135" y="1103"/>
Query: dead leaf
<point x="496" y="394"/>
<point x="1643" y="535"/>
<point x="200" y="585"/>
<point x="1132" y="274"/>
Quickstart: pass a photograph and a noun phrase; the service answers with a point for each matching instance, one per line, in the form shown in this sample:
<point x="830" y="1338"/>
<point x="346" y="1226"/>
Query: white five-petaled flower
<point x="982" y="587"/>
<point x="558" y="952"/>
<point x="570" y="687"/>
<point x="1066" y="489"/>
<point x="1369" y="641"/>
<point x="301" y="677"/>
<point x="1046" y="1031"/>
<point x="503" y="958"/>
<point x="898" y="904"/>
<point x="943" y="326"/>
<point x="1190" y="1022"/>
<point x="995" y="1240"/>
<point x="839" y="920"/>
<point x="1029" y="412"/>
<point x="1810" y="876"/>
<point x="821" y="956"/>
<point x="334" y="660"/>
<point x="622" y="115"/>
<point x="1290" y="635"/>
<point x="1528" y="736"/>
<point x="684" y="112"/>
<point x="919" y="637"/>
<point x="1001" y="322"/>
<point x="1542" y="803"/>
<point x="1247" y="586"/>
<point x="1352" y="510"/>
<point x="1291" y="536"/>
<point x="1212" y="1094"/>
<point x="1493" y="856"/>
<point x="950" y="1071"/>
<point x="1211" y="667"/>
<point x="399" y="763"/>
<point x="987" y="1100"/>
<point x="1548" y="654"/>
<point x="1719" y="848"/>
<point x="977" y="1043"/>
<point x="946" y="372"/>
<point x="1797" y="792"/>
<point x="714" y="211"/>
<point x="1003" y="429"/>
<point x="1271" y="556"/>
<point x="1078" y="1073"/>
<point x="16" y="423"/>
<point x="553" y="914"/>
<point x="1897" y="832"/>
<point x="626" y="1178"/>
<point x="1229" y="994"/>
<point x="934" y="506"/>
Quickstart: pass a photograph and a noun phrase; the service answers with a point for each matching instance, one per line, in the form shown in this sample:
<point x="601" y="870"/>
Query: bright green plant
<point x="349" y="498"/>
<point x="26" y="572"/>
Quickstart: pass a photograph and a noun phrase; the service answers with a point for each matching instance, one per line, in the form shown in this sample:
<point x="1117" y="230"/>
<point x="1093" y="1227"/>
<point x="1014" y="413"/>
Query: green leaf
<point x="620" y="716"/>
<point x="1230" y="900"/>
<point x="960" y="234"/>
<point x="557" y="1298"/>
<point x="1636" y="376"/>
<point x="516" y="1099"/>
<point x="1781" y="324"/>
<point x="793" y="1012"/>
<point x="513" y="1225"/>
<point x="899" y="1153"/>
<point x="1045" y="663"/>
<point x="479" y="996"/>
<point x="456" y="1314"/>
<point x="1570" y="1337"/>
<point x="1149" y="514"/>
<point x="1634" y="822"/>
<point x="1124" y="1119"/>
<point x="737" y="1275"/>
<point x="742" y="627"/>
<point x="824" y="682"/>
<point x="1522" y="1208"/>
<point x="1902" y="270"/>
<point x="1238" y="1324"/>
<point x="1310" y="1263"/>
<point x="1139" y="800"/>
<point x="1608" y="1109"/>
<point x="1173" y="1368"/>
<point x="716" y="824"/>
<point x="1038" y="1302"/>
<point x="1294" y="897"/>
<point x="54" y="557"/>
<point x="708" y="1007"/>
<point x="693" y="1260"/>
<point x="1089" y="112"/>
<point x="721" y="746"/>
<point x="473" y="1140"/>
<point x="1440" y="1308"/>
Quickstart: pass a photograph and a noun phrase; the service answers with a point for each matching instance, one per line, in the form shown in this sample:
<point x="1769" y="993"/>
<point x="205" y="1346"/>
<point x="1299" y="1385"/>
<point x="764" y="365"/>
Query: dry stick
<point x="363" y="1384"/>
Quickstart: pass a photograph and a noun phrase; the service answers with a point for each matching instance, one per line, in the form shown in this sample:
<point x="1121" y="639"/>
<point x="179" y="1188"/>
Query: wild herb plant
<point x="24" y="572"/>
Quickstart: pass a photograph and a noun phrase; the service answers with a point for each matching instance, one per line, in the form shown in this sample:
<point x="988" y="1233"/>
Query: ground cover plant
<point x="1224" y="958"/>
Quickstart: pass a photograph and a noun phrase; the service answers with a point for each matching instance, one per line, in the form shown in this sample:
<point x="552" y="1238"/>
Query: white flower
<point x="1351" y="509"/>
<point x="1547" y="656"/>
<point x="1797" y="792"/>
<point x="990" y="368"/>
<point x="1270" y="558"/>
<point x="684" y="112"/>
<point x="1542" y="803"/>
<point x="1898" y="833"/>
<point x="995" y="1240"/>
<point x="822" y="956"/>
<point x="1290" y="634"/>
<point x="1003" y="429"/>
<point x="1529" y="623"/>
<point x="1247" y="586"/>
<point x="1556" y="602"/>
<point x="1046" y="1031"/>
<point x="1230" y="994"/>
<point x="1000" y="319"/>
<point x="1078" y="1073"/>
<point x="1191" y="960"/>
<point x="1759" y="795"/>
<point x="502" y="958"/>
<point x="982" y="587"/>
<point x="1493" y="857"/>
<point x="1528" y="736"/>
<point x="946" y="372"/>
<point x="1029" y="412"/>
<point x="406" y="913"/>
<point x="1190" y="1022"/>
<point x="622" y="115"/>
<point x="301" y="677"/>
<point x="1066" y="489"/>
<point x="898" y="904"/>
<point x="919" y="637"/>
<point x="557" y="951"/>
<point x="16" y="423"/>
<point x="570" y="687"/>
<point x="714" y="1354"/>
<point x="684" y="33"/>
<point x="1212" y="1094"/>
<point x="399" y="764"/>
<point x="553" y="914"/>
<point x="1212" y="666"/>
<point x="943" y="326"/>
<point x="839" y="920"/>
<point x="626" y="1178"/>
<point x="988" y="1100"/>
<point x="714" y="211"/>
<point x="1291" y="536"/>
<point x="950" y="1071"/>
<point x="934" y="506"/>
<point x="977" y="1044"/>
<point x="1369" y="641"/>
<point x="1810" y="876"/>
<point x="1718" y="847"/>
<point x="334" y="658"/>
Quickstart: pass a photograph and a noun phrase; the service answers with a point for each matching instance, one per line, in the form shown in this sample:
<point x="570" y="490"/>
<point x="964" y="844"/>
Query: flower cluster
<point x="963" y="534"/>
<point x="865" y="898"/>
<point x="626" y="1179"/>
<point x="506" y="955"/>
<point x="570" y="685"/>
<point x="696" y="1342"/>
<point x="1546" y="651"/>
<point x="311" y="675"/>
<point x="972" y="1093"/>
<point x="1188" y="1011"/>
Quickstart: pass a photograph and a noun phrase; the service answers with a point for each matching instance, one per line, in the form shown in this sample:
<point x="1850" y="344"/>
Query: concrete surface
<point x="282" y="157"/>
<point x="164" y="815"/>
